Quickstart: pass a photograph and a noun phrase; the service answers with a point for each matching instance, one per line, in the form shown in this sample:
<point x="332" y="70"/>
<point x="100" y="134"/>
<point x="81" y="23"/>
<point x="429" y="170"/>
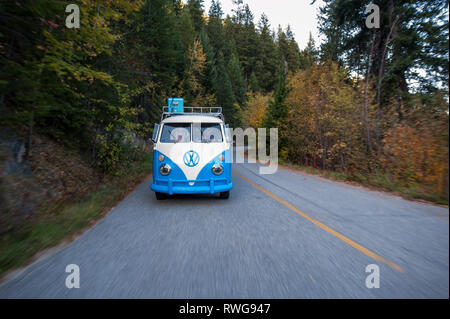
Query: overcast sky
<point x="298" y="13"/>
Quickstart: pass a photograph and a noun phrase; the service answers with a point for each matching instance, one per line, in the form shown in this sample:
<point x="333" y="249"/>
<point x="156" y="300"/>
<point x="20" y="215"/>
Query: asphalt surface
<point x="254" y="245"/>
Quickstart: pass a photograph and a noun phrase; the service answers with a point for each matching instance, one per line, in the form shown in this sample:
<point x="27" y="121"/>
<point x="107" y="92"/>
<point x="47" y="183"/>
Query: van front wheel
<point x="225" y="195"/>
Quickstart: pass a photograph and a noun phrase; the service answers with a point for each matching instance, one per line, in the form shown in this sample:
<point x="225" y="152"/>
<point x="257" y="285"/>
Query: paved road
<point x="287" y="235"/>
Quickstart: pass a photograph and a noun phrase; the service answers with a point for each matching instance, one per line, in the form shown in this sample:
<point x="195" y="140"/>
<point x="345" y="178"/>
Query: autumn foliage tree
<point x="323" y="118"/>
<point x="195" y="92"/>
<point x="254" y="113"/>
<point x="416" y="150"/>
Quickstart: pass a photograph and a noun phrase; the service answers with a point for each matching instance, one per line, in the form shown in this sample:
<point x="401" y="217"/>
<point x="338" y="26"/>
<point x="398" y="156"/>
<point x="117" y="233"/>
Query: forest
<point x="369" y="104"/>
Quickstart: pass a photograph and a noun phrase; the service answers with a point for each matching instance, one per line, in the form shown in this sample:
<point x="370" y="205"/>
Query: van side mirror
<point x="155" y="133"/>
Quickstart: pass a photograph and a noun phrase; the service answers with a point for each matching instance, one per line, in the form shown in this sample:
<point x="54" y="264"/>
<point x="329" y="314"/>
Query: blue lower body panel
<point x="210" y="186"/>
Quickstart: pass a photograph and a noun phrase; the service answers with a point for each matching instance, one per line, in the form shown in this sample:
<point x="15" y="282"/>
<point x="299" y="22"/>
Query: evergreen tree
<point x="267" y="60"/>
<point x="253" y="83"/>
<point x="215" y="30"/>
<point x="241" y="30"/>
<point x="410" y="32"/>
<point x="309" y="56"/>
<point x="210" y="80"/>
<point x="195" y="8"/>
<point x="237" y="80"/>
<point x="224" y="91"/>
<point x="162" y="50"/>
<point x="288" y="50"/>
<point x="277" y="111"/>
<point x="186" y="29"/>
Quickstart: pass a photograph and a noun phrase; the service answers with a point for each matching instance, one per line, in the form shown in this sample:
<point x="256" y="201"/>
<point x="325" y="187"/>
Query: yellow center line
<point x="325" y="227"/>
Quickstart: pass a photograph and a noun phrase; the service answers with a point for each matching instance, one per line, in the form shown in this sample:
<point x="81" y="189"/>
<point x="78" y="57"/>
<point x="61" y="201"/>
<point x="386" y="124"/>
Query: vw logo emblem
<point x="191" y="158"/>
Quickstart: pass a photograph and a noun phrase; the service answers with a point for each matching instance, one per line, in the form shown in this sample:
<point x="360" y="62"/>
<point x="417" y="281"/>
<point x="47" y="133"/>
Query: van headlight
<point x="165" y="169"/>
<point x="217" y="169"/>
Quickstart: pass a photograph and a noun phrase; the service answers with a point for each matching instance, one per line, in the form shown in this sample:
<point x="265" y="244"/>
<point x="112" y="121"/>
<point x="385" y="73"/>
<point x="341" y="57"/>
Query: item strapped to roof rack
<point x="215" y="111"/>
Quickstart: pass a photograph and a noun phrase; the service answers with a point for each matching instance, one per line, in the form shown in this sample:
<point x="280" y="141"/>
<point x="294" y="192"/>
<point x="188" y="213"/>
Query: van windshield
<point x="176" y="133"/>
<point x="206" y="133"/>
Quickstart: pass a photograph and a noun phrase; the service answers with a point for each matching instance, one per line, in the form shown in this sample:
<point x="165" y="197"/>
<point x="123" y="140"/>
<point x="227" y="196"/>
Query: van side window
<point x="176" y="133"/>
<point x="207" y="133"/>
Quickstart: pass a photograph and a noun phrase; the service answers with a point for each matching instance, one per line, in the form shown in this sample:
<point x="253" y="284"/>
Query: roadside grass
<point x="65" y="222"/>
<point x="378" y="182"/>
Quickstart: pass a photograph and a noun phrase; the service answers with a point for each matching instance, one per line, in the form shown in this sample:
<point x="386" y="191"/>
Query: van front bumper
<point x="211" y="186"/>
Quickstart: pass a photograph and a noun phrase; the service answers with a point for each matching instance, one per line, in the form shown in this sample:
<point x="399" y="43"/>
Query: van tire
<point x="160" y="196"/>
<point x="225" y="195"/>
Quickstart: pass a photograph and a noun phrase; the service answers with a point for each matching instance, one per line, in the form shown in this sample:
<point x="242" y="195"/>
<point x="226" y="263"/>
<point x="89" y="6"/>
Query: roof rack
<point x="215" y="111"/>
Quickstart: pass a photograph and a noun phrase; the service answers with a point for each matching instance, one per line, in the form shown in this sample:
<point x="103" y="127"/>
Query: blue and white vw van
<point x="192" y="153"/>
